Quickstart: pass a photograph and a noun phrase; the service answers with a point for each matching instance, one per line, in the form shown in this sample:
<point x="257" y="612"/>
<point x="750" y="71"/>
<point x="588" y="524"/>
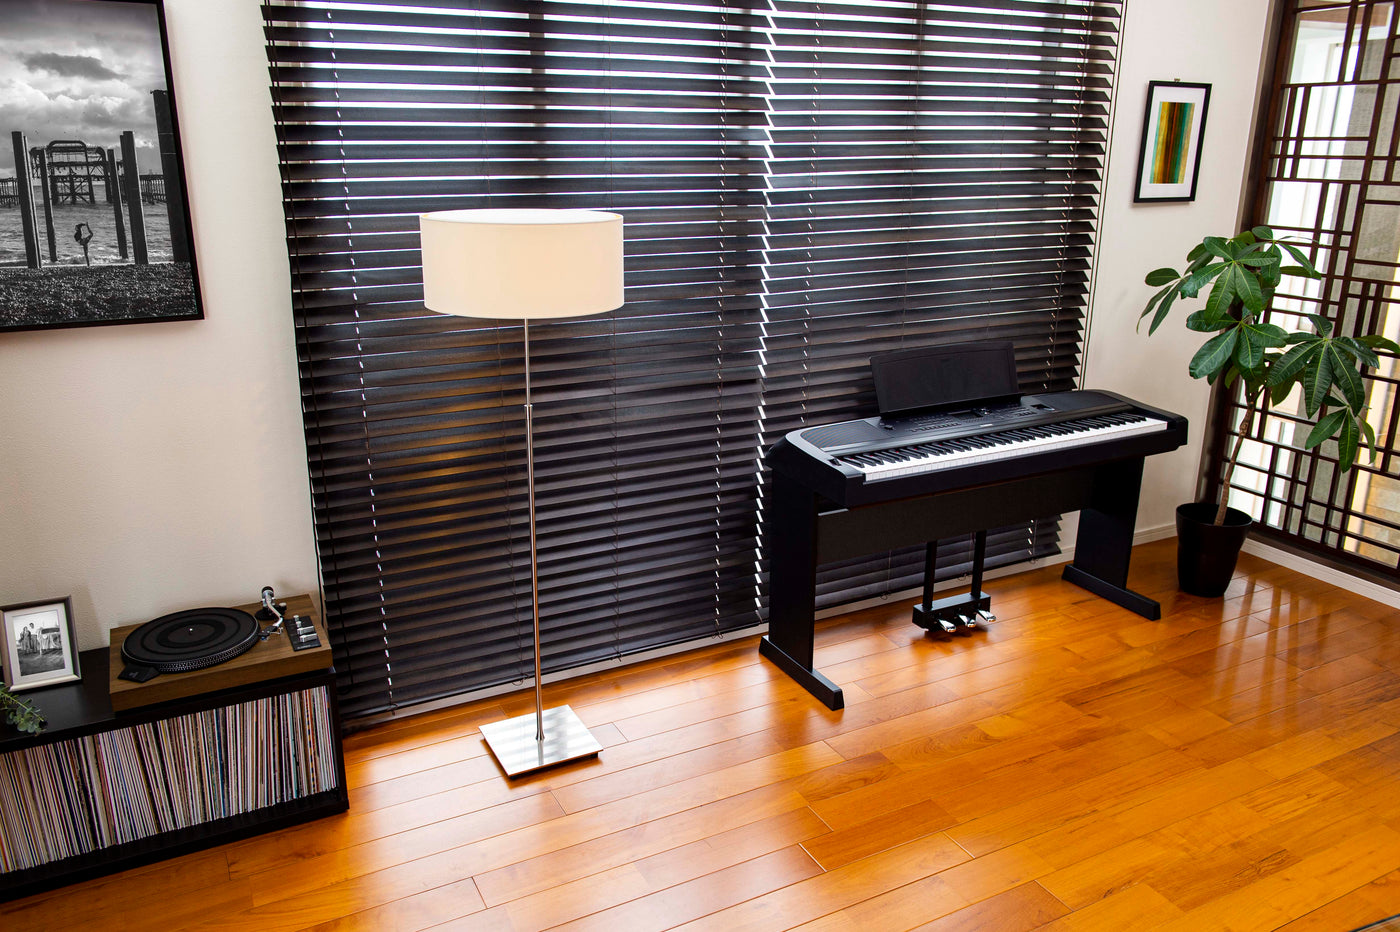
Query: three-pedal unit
<point x="956" y="614"/>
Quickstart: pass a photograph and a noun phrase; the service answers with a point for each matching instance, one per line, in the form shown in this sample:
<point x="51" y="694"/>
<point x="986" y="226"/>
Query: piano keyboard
<point x="1003" y="444"/>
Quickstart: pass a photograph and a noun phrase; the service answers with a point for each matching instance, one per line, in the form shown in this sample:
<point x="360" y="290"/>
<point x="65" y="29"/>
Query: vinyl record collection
<point x="70" y="797"/>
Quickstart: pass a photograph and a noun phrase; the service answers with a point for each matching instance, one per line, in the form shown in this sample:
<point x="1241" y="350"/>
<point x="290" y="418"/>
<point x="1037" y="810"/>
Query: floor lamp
<point x="523" y="264"/>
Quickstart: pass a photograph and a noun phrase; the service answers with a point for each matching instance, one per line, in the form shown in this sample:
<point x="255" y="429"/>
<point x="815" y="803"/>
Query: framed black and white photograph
<point x="1173" y="130"/>
<point x="39" y="646"/>
<point x="94" y="223"/>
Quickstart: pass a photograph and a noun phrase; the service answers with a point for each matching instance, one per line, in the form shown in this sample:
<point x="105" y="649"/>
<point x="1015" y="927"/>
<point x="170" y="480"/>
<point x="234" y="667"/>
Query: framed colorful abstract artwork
<point x="1172" y="132"/>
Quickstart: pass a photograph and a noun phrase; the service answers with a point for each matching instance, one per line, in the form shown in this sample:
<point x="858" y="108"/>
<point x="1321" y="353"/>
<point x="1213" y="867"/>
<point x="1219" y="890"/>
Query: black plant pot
<point x="1206" y="554"/>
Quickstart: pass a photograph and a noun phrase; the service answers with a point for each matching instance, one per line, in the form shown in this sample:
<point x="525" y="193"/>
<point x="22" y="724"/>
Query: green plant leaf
<point x="1286" y="369"/>
<point x="1309" y="270"/>
<point x="1249" y="348"/>
<point x="1247" y="286"/>
<point x="1347" y="442"/>
<point x="1358" y="349"/>
<point x="1368" y="437"/>
<point x="1152" y="304"/>
<point x="1272" y="334"/>
<point x="1346" y="378"/>
<point x="1325" y="428"/>
<point x="1317" y="381"/>
<point x="1197" y="251"/>
<point x="1199" y="278"/>
<point x="1203" y="321"/>
<point x="1248" y="354"/>
<point x="1222" y="295"/>
<point x="1215" y="245"/>
<point x="1212" y="357"/>
<point x="1257" y="261"/>
<point x="1375" y="341"/>
<point x="1279" y="393"/>
<point x="1262" y="232"/>
<point x="1162" y="310"/>
<point x="1270" y="276"/>
<point x="1158" y="277"/>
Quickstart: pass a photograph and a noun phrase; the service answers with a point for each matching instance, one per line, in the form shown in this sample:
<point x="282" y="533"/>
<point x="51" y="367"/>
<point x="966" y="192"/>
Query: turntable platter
<point x="191" y="639"/>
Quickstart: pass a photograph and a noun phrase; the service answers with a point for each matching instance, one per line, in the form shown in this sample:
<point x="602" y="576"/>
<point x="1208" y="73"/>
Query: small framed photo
<point x="1173" y="129"/>
<point x="39" y="646"/>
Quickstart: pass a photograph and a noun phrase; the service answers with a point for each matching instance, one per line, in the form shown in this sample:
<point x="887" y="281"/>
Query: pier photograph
<point x="94" y="227"/>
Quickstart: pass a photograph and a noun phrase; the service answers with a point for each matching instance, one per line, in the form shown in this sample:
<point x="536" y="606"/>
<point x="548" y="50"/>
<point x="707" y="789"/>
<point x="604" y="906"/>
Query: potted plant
<point x="1242" y="274"/>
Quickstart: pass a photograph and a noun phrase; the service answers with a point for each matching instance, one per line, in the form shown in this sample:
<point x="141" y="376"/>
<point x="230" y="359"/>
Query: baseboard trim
<point x="1363" y="587"/>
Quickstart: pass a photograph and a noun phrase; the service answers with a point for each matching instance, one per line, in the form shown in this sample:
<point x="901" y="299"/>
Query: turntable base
<point x="266" y="660"/>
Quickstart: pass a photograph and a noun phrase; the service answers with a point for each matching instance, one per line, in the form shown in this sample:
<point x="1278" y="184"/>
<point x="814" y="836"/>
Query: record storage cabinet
<point x="99" y="791"/>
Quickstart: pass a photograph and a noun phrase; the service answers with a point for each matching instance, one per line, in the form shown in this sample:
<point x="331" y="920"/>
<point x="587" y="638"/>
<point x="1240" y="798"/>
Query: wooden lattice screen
<point x="1330" y="174"/>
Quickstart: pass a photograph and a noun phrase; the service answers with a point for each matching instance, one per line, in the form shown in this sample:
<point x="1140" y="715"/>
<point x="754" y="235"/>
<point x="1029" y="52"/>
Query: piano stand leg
<point x="1134" y="602"/>
<point x="958" y="614"/>
<point x="806" y="677"/>
<point x="1104" y="544"/>
<point x="791" y="537"/>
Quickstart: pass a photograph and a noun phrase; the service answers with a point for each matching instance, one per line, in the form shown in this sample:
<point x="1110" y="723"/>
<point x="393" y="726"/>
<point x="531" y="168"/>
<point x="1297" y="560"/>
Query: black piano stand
<point x="804" y="530"/>
<point x="956" y="614"/>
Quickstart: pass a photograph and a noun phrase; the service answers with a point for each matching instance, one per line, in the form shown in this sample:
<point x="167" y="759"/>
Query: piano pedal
<point x="986" y="616"/>
<point x="968" y="623"/>
<point x="947" y="626"/>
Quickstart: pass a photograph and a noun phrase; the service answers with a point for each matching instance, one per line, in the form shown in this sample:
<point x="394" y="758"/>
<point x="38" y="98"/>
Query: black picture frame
<point x="1173" y="133"/>
<point x="94" y="214"/>
<point x="38" y="646"/>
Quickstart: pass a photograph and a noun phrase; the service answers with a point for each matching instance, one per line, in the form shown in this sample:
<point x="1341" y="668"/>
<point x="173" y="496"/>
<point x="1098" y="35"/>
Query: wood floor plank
<point x="1019" y="910"/>
<point x="1136" y="907"/>
<point x="411" y="913"/>
<point x="702" y="896"/>
<point x="837" y="889"/>
<point x="834" y="849"/>
<point x="772" y="805"/>
<point x="1299" y="888"/>
<point x="898" y="908"/>
<point x="1073" y="766"/>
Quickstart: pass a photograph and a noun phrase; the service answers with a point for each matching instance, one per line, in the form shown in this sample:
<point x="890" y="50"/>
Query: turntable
<point x="206" y="649"/>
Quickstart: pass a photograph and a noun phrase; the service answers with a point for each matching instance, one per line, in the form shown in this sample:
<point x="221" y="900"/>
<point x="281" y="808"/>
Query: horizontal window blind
<point x="934" y="177"/>
<point x="803" y="185"/>
<point x="644" y="418"/>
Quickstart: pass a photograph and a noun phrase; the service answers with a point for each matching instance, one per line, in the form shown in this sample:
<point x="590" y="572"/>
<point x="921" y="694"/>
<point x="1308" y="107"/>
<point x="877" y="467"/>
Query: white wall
<point x="150" y="467"/>
<point x="1192" y="40"/>
<point x="146" y="468"/>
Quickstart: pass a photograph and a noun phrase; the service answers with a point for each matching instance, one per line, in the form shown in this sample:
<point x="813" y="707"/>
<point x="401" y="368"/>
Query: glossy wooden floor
<point x="1233" y="766"/>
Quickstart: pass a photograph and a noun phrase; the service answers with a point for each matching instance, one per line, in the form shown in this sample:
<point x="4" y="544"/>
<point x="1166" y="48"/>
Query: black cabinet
<point x="102" y="791"/>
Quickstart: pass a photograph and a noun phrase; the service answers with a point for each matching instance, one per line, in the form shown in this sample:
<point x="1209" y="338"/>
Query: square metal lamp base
<point x="513" y="741"/>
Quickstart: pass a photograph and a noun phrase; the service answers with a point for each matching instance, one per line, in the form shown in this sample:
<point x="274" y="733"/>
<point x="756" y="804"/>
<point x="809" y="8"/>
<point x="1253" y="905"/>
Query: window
<point x="1329" y="176"/>
<point x="803" y="185"/>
